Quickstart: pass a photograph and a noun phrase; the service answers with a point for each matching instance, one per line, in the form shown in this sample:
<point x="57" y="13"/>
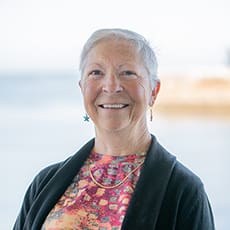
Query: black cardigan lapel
<point x="149" y="193"/>
<point x="56" y="187"/>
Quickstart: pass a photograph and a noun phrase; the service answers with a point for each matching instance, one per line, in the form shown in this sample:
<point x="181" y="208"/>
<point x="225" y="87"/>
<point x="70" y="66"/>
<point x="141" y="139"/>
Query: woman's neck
<point x="122" y="142"/>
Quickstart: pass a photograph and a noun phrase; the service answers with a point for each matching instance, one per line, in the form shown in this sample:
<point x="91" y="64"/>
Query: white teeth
<point x="113" y="106"/>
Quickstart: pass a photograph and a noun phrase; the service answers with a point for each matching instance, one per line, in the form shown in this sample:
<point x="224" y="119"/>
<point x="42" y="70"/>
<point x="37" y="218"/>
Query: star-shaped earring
<point x="86" y="117"/>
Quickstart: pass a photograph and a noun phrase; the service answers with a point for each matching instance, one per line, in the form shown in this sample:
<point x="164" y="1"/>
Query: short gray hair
<point x="139" y="42"/>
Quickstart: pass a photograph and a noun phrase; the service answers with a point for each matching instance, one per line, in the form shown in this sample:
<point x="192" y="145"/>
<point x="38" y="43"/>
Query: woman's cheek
<point x="91" y="90"/>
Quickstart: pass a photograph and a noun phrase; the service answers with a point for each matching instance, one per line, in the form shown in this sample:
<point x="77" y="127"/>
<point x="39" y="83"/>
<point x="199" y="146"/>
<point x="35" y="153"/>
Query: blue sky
<point x="49" y="34"/>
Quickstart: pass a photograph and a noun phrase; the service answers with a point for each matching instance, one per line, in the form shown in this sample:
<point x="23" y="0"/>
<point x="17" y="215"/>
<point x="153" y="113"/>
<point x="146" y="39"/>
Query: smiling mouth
<point x="113" y="106"/>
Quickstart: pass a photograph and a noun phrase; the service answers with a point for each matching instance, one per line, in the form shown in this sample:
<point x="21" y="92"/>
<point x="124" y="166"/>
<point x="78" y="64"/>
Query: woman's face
<point x="116" y="86"/>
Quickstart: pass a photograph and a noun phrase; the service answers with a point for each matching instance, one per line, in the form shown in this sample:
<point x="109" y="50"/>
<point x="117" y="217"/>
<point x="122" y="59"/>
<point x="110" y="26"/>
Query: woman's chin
<point x="113" y="126"/>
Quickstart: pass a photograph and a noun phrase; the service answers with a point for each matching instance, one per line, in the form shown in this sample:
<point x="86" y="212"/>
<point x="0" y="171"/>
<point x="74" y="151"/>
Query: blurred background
<point x="41" y="111"/>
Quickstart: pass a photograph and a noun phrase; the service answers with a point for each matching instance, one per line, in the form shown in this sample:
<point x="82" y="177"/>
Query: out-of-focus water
<point x="41" y="122"/>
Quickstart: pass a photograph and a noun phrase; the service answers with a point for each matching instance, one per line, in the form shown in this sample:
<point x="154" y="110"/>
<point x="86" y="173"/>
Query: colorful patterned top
<point x="88" y="206"/>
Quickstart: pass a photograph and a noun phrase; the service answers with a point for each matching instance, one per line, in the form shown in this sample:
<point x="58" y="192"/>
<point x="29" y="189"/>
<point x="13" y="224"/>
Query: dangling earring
<point x="86" y="117"/>
<point x="151" y="114"/>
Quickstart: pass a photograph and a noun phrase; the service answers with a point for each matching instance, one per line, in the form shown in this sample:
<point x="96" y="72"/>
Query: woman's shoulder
<point x="186" y="193"/>
<point x="45" y="175"/>
<point x="180" y="173"/>
<point x="184" y="177"/>
<point x="48" y="171"/>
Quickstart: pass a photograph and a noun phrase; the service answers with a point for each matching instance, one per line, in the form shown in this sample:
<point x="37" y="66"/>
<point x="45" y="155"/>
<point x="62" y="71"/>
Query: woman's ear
<point x="155" y="92"/>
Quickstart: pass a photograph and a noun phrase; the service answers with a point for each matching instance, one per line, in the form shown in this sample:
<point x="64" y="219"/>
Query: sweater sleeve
<point x="197" y="213"/>
<point x="185" y="205"/>
<point x="33" y="190"/>
<point x="193" y="207"/>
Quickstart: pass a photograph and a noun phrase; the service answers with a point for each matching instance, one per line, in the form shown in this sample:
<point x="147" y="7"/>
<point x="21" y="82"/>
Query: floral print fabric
<point x="87" y="206"/>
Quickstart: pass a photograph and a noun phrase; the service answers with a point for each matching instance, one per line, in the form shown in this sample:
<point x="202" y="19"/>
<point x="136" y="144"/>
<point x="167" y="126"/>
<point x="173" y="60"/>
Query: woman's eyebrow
<point x="94" y="64"/>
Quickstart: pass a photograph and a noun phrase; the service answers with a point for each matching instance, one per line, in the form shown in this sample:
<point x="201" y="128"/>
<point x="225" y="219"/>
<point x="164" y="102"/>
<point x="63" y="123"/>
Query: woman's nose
<point x="112" y="84"/>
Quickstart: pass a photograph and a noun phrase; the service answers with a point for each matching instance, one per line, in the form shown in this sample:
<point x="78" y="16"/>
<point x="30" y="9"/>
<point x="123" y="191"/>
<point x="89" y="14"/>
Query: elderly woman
<point x="123" y="178"/>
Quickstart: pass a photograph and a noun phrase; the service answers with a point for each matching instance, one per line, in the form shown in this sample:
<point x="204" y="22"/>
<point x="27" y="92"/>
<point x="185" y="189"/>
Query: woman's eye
<point x="128" y="73"/>
<point x="96" y="72"/>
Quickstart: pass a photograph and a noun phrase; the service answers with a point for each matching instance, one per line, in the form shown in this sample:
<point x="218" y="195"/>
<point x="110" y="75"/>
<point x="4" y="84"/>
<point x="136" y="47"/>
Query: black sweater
<point x="167" y="196"/>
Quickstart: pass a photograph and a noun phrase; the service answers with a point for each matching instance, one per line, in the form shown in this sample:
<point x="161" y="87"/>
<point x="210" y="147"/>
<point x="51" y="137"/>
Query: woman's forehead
<point x="114" y="49"/>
